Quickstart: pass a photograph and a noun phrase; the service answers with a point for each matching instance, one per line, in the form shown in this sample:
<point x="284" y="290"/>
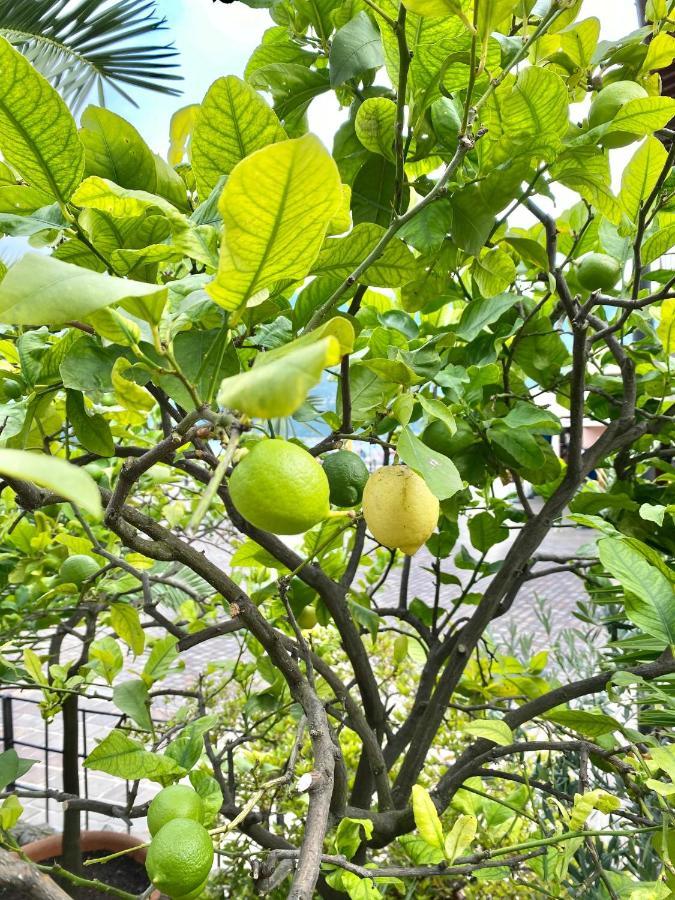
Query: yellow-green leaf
<point x="41" y="290"/>
<point x="276" y="207"/>
<point x="280" y="386"/>
<point x="55" y="474"/>
<point x="640" y="117"/>
<point x="126" y="624"/>
<point x="641" y="174"/>
<point x="38" y="135"/>
<point x="232" y="123"/>
<point x="495" y="730"/>
<point x="426" y="818"/>
<point x="375" y="124"/>
<point x="118" y="754"/>
<point x="666" y="329"/>
<point x="460" y="838"/>
<point x="180" y="131"/>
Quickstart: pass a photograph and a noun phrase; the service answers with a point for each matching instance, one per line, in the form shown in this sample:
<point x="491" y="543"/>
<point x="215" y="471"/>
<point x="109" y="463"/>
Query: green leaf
<point x="10" y="812"/>
<point x="162" y="656"/>
<point x="375" y="124"/>
<point x="41" y="290"/>
<point x="653" y="512"/>
<point x="186" y="750"/>
<point x="535" y="418"/>
<point x="439" y="473"/>
<point x="38" y="135"/>
<point x="92" y="431"/>
<point x="373" y="191"/>
<point x="12" y="767"/>
<point x="436" y="409"/>
<point x="586" y="170"/>
<point x="434" y="8"/>
<point x="296" y="188"/>
<point x="479" y="314"/>
<point x="658" y="244"/>
<point x="350" y="835"/>
<point x="126" y="624"/>
<point x="650" y="598"/>
<point x="232" y="122"/>
<point x="105" y="658"/>
<point x="641" y="117"/>
<point x="493" y="272"/>
<point x="55" y="474"/>
<point x="472" y="222"/>
<point x="340" y="256"/>
<point x="356" y="48"/>
<point x="123" y="757"/>
<point x="460" y="838"/>
<point x="586" y="722"/>
<point x="116" y="151"/>
<point x="641" y="174"/>
<point x="209" y="790"/>
<point x="486" y="531"/>
<point x="280" y="380"/>
<point x="426" y="818"/>
<point x="518" y="443"/>
<point x="132" y="698"/>
<point x="495" y="730"/>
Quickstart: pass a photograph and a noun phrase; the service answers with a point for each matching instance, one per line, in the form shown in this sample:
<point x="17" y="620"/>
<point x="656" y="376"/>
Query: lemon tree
<point x="290" y="426"/>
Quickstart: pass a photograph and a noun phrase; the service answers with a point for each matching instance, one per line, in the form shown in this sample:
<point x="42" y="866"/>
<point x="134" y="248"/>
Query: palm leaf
<point x="86" y="45"/>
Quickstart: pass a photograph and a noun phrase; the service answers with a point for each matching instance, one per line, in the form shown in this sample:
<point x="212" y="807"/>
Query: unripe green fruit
<point x="347" y="475"/>
<point x="180" y="857"/>
<point x="12" y="389"/>
<point x="280" y="487"/>
<point x="606" y="106"/>
<point x="178" y="801"/>
<point x="76" y="569"/>
<point x="598" y="272"/>
<point x="307" y="618"/>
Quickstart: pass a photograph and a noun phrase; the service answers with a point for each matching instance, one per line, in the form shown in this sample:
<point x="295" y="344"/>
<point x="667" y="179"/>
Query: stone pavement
<point x="544" y="608"/>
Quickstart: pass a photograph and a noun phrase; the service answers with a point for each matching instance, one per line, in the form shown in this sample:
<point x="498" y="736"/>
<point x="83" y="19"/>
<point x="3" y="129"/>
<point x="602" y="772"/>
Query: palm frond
<point x="92" y="45"/>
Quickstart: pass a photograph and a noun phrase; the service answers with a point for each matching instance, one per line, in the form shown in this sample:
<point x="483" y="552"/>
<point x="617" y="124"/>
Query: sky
<point x="216" y="39"/>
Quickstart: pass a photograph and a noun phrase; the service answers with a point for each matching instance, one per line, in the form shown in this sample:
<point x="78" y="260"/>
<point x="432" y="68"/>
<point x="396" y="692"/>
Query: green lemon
<point x="280" y="487"/>
<point x="307" y="618"/>
<point x="598" y="272"/>
<point x="347" y="475"/>
<point x="606" y="106"/>
<point x="180" y="857"/>
<point x="178" y="801"/>
<point x="193" y="895"/>
<point x="12" y="389"/>
<point x="76" y="569"/>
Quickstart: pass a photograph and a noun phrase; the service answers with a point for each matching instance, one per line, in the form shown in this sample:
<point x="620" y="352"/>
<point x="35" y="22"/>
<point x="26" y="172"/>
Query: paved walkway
<point x="544" y="608"/>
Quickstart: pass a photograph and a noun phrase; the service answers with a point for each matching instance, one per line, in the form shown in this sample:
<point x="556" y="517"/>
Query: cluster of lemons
<point x="180" y="856"/>
<point x="280" y="487"/>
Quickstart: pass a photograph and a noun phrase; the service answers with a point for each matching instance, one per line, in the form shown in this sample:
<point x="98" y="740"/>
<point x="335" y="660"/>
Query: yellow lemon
<point x="399" y="509"/>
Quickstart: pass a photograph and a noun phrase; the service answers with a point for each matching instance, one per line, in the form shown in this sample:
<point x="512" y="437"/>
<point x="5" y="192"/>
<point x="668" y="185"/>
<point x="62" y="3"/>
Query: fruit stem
<point x="104" y="859"/>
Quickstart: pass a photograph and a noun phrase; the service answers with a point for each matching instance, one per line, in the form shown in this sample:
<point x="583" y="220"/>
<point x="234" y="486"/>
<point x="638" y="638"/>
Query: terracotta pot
<point x="91" y="842"/>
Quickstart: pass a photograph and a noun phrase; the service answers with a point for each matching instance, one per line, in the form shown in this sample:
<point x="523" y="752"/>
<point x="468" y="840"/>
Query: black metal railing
<point x="12" y="739"/>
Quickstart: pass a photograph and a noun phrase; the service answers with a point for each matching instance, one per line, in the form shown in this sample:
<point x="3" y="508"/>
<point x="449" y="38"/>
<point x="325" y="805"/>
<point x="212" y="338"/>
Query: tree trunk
<point x="72" y="853"/>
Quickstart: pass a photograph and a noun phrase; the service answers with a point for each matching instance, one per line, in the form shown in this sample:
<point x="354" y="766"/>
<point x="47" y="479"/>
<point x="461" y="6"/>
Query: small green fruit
<point x="76" y="569"/>
<point x="178" y="801"/>
<point x="598" y="272"/>
<point x="606" y="106"/>
<point x="307" y="618"/>
<point x="347" y="475"/>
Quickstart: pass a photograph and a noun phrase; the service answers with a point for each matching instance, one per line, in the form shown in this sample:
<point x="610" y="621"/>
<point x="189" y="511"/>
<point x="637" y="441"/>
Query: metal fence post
<point x="7" y="729"/>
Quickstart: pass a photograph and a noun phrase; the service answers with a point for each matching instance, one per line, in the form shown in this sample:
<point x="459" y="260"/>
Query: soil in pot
<point x="122" y="873"/>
